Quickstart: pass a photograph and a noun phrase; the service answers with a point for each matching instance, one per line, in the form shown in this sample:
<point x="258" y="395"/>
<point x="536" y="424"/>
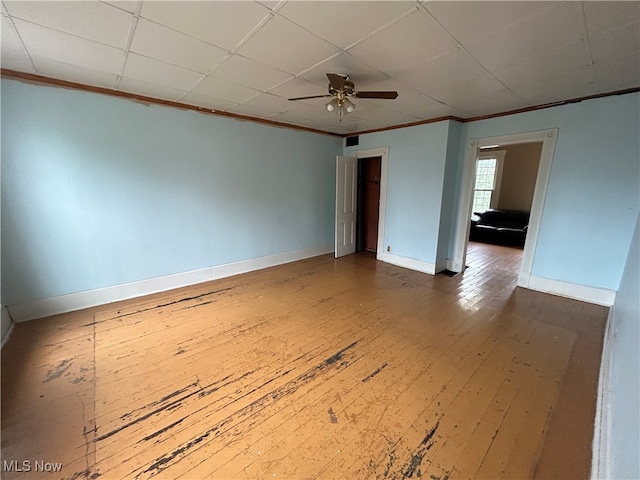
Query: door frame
<point x="382" y="152"/>
<point x="548" y="138"/>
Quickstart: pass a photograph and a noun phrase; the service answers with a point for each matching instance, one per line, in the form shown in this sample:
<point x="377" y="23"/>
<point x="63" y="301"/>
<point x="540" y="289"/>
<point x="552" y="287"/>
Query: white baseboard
<point x="602" y="426"/>
<point x="7" y="324"/>
<point x="599" y="296"/>
<point x="410" y="263"/>
<point x="91" y="298"/>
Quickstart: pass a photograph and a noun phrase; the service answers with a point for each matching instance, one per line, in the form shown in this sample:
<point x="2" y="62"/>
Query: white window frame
<point x="497" y="180"/>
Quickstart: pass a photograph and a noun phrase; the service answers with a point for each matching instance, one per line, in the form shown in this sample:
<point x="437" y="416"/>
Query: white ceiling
<point x="464" y="59"/>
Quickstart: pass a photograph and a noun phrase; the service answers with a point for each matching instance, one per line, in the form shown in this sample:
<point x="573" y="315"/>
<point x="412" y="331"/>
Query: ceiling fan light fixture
<point x="341" y="87"/>
<point x="349" y="106"/>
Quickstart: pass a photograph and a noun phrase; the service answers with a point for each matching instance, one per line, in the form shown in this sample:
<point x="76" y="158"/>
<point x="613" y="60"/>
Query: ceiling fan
<point x="340" y="87"/>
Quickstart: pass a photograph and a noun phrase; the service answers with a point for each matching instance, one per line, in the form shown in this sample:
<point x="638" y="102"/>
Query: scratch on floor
<point x="162" y="462"/>
<point x="412" y="466"/>
<point x="376" y="372"/>
<point x="332" y="415"/>
<point x="58" y="370"/>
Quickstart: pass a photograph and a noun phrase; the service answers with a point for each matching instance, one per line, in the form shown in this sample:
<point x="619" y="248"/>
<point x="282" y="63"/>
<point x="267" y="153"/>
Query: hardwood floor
<point x="323" y="368"/>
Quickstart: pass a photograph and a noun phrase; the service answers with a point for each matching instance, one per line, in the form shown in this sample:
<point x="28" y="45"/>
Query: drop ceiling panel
<point x="336" y="21"/>
<point x="554" y="62"/>
<point x="471" y="20"/>
<point x="269" y="103"/>
<point x="527" y="38"/>
<point x="128" y="6"/>
<point x="454" y="91"/>
<point x="603" y="16"/>
<point x="249" y="73"/>
<point x="464" y="59"/>
<point x="279" y="44"/>
<point x="64" y="48"/>
<point x="616" y="42"/>
<point x="271" y="4"/>
<point x="95" y="21"/>
<point x="224" y="23"/>
<point x="14" y="56"/>
<point x="72" y="73"/>
<point x="456" y="64"/>
<point x="289" y="119"/>
<point x="149" y="89"/>
<point x="157" y="72"/>
<point x="198" y="100"/>
<point x="502" y="100"/>
<point x="581" y="82"/>
<point x="159" y="42"/>
<point x="420" y="105"/>
<point x="382" y="116"/>
<point x="414" y="39"/>
<point x="618" y="73"/>
<point x="215" y="87"/>
<point x="262" y="106"/>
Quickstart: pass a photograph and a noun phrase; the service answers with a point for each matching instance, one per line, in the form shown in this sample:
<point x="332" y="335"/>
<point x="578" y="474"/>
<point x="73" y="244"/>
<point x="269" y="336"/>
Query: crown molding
<point x="39" y="79"/>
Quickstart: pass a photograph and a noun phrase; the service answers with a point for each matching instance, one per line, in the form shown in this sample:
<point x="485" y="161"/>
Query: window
<point x="486" y="189"/>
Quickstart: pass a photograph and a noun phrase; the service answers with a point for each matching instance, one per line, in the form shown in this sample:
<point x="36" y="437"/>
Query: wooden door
<point x="369" y="185"/>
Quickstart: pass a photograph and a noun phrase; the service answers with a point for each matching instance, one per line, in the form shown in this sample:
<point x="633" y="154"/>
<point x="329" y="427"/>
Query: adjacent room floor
<point x="323" y="368"/>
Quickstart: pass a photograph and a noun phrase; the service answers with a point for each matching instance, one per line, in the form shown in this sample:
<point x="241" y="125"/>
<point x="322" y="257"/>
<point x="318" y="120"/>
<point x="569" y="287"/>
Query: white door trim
<point x="382" y="152"/>
<point x="548" y="139"/>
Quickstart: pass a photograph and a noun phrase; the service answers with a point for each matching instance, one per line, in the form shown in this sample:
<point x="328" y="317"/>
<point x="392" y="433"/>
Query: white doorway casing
<point x="548" y="139"/>
<point x="383" y="153"/>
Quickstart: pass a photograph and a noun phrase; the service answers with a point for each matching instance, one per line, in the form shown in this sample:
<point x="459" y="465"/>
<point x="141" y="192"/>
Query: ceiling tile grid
<point x="96" y="21"/>
<point x="445" y="58"/>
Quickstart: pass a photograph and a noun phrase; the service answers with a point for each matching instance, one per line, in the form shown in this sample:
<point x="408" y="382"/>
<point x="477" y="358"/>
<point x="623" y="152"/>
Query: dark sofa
<point x="503" y="227"/>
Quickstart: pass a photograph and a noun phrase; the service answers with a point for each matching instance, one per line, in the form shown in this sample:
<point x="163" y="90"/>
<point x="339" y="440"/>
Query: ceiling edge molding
<point x="554" y="104"/>
<point x="500" y="114"/>
<point x="38" y="79"/>
<point x="54" y="82"/>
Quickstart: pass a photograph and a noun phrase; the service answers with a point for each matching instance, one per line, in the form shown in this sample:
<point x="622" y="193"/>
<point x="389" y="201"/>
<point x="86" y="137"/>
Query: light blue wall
<point x="447" y="218"/>
<point x="624" y="387"/>
<point x="417" y="158"/>
<point x="593" y="196"/>
<point x="5" y="319"/>
<point x="100" y="191"/>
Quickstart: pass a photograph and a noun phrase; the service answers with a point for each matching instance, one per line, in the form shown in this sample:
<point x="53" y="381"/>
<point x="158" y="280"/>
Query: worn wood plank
<point x="323" y="368"/>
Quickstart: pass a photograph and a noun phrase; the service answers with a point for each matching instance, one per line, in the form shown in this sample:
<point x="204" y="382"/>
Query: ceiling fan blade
<point x="336" y="81"/>
<point x="383" y="95"/>
<point x="312" y="96"/>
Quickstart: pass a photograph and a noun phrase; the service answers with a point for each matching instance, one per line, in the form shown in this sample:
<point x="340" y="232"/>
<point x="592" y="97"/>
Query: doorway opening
<point x="504" y="185"/>
<point x="368" y="216"/>
<point x="463" y="226"/>
<point x="361" y="193"/>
